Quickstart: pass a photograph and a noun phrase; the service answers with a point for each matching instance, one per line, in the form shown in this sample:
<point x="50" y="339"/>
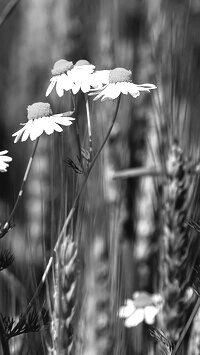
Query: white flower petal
<point x="66" y="82"/>
<point x="51" y="85"/>
<point x="55" y="126"/>
<point x="149" y="314"/>
<point x="37" y="128"/>
<point x="133" y="90"/>
<point x="85" y="87"/>
<point x="111" y="92"/>
<point x="136" y="318"/>
<point x="76" y="87"/>
<point x="65" y="121"/>
<point x="6" y="158"/>
<point x="126" y="310"/>
<point x="59" y="86"/>
<point x="3" y="152"/>
<point x="124" y="88"/>
<point x="27" y="130"/>
<point x="19" y="133"/>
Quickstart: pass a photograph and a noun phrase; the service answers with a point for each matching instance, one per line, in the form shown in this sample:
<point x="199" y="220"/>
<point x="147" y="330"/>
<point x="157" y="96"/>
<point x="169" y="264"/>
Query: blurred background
<point x="117" y="225"/>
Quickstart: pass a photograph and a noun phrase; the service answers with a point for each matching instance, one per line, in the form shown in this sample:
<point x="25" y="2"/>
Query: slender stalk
<point x="68" y="220"/>
<point x="4" y="339"/>
<point x="77" y="133"/>
<point x="7" y="224"/>
<point x="7" y="10"/>
<point x="89" y="126"/>
<point x="136" y="172"/>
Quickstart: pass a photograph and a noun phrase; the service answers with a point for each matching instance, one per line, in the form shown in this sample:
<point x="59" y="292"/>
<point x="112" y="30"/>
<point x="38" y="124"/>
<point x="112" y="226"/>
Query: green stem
<point x="68" y="220"/>
<point x="7" y="224"/>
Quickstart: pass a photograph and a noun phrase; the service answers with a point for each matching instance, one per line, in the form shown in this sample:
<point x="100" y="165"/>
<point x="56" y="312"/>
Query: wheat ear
<point x="175" y="244"/>
<point x="64" y="298"/>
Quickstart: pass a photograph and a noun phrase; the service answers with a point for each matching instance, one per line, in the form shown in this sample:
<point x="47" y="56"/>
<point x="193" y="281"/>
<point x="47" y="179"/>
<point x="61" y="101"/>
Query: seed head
<point x="120" y="75"/>
<point x="82" y="62"/>
<point x="61" y="66"/>
<point x="38" y="109"/>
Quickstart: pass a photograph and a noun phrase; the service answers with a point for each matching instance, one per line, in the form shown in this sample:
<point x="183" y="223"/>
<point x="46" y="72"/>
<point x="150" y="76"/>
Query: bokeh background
<point x="117" y="225"/>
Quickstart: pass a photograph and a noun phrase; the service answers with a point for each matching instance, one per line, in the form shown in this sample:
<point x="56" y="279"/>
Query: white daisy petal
<point x="27" y="130"/>
<point x="133" y="90"/>
<point x="65" y="121"/>
<point x="136" y="318"/>
<point x="76" y="87"/>
<point x="37" y="128"/>
<point x="66" y="82"/>
<point x="85" y="87"/>
<point x="51" y="86"/>
<point x="126" y="310"/>
<point x="4" y="159"/>
<point x="124" y="88"/>
<point x="3" y="152"/>
<point x="111" y="92"/>
<point x="7" y="159"/>
<point x="18" y="134"/>
<point x="148" y="86"/>
<point x="55" y="126"/>
<point x="150" y="313"/>
<point x="59" y="86"/>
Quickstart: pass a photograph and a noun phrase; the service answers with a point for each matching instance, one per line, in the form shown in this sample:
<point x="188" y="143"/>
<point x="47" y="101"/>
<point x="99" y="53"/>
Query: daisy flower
<point x="120" y="82"/>
<point x="4" y="160"/>
<point x="41" y="119"/>
<point x="61" y="78"/>
<point x="85" y="77"/>
<point x="143" y="307"/>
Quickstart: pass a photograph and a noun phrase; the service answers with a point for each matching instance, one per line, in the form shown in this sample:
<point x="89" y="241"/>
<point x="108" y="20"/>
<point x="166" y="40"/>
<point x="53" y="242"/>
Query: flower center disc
<point x="82" y="62"/>
<point x="61" y="66"/>
<point x="120" y="75"/>
<point x="38" y="109"/>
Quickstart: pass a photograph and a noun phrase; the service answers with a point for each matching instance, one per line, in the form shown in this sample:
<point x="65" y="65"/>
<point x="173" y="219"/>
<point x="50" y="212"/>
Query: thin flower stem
<point x="7" y="224"/>
<point x="77" y="133"/>
<point x="89" y="126"/>
<point x="7" y="10"/>
<point x="4" y="339"/>
<point x="67" y="221"/>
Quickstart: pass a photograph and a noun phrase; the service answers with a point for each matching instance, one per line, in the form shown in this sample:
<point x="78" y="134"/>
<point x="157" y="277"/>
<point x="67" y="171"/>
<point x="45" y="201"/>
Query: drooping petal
<point x="59" y="86"/>
<point x="150" y="313"/>
<point x="124" y="88"/>
<point x="76" y="87"/>
<point x="65" y="121"/>
<point x="85" y="86"/>
<point x="111" y="92"/>
<point x="136" y="318"/>
<point x="66" y="82"/>
<point x="126" y="310"/>
<point x="27" y="131"/>
<point x="133" y="90"/>
<point x="6" y="159"/>
<point x="36" y="129"/>
<point x="55" y="126"/>
<point x="51" y="85"/>
<point x="3" y="152"/>
<point x="19" y="133"/>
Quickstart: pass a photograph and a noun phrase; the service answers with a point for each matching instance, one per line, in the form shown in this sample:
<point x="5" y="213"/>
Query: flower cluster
<point x="66" y="76"/>
<point x="143" y="307"/>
